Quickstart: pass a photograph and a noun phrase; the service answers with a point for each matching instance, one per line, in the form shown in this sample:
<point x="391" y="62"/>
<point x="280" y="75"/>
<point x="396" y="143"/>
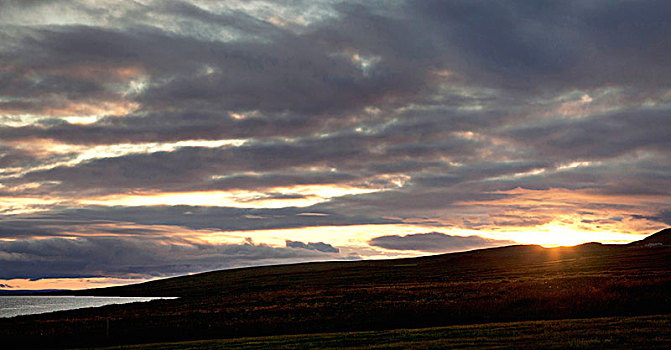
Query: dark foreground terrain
<point x="637" y="332"/>
<point x="517" y="283"/>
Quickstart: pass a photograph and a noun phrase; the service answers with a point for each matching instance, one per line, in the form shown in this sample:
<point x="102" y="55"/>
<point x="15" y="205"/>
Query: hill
<point x="660" y="238"/>
<point x="491" y="285"/>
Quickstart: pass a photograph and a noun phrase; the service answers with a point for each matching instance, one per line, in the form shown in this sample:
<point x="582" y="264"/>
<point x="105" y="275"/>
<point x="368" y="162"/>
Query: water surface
<point x="12" y="305"/>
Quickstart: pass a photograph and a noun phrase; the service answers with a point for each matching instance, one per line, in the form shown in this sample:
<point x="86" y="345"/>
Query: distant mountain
<point x="661" y="238"/>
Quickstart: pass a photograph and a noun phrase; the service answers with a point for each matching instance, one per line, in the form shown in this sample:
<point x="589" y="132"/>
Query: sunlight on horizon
<point x="350" y="239"/>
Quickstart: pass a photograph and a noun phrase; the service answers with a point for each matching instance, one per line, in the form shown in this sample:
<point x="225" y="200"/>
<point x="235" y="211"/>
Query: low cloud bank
<point x="318" y="246"/>
<point x="435" y="242"/>
<point x="134" y="257"/>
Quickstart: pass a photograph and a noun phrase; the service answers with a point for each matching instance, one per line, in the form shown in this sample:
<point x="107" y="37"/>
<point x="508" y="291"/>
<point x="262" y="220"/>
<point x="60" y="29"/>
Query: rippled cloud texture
<point x="143" y="139"/>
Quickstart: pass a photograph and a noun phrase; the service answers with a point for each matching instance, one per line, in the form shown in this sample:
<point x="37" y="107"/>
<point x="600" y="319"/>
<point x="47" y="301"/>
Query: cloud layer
<point x="318" y="246"/>
<point x="129" y="257"/>
<point x="435" y="242"/>
<point x="510" y="120"/>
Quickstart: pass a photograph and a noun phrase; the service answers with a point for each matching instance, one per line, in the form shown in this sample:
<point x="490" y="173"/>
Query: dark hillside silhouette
<point x="662" y="237"/>
<point x="490" y="285"/>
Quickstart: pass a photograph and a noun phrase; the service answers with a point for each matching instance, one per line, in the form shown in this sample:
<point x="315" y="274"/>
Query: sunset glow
<point x="151" y="140"/>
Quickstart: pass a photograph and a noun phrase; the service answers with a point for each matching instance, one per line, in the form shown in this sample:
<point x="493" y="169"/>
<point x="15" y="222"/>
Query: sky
<point x="146" y="139"/>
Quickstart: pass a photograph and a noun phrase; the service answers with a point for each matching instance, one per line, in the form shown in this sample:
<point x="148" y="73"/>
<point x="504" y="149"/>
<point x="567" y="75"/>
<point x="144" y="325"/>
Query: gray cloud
<point x="318" y="246"/>
<point x="663" y="216"/>
<point x="132" y="257"/>
<point x="99" y="220"/>
<point x="447" y="106"/>
<point x="523" y="44"/>
<point x="557" y="46"/>
<point x="304" y="68"/>
<point x="602" y="136"/>
<point x="409" y="203"/>
<point x="11" y="157"/>
<point x="188" y="167"/>
<point x="435" y="242"/>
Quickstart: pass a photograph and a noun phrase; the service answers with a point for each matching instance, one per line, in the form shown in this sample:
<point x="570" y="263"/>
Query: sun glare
<point x="557" y="234"/>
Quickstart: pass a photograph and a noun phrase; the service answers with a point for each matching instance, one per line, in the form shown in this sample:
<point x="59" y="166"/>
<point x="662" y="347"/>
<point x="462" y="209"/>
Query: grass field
<point x="643" y="332"/>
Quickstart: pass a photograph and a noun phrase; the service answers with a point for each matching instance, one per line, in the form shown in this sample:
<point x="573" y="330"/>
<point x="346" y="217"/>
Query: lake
<point x="12" y="305"/>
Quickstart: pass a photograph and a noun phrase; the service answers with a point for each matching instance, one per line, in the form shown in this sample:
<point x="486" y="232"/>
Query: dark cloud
<point x="603" y="136"/>
<point x="451" y="110"/>
<point x="524" y="44"/>
<point x="190" y="167"/>
<point x="500" y="220"/>
<point x="318" y="246"/>
<point x="283" y="71"/>
<point x="169" y="126"/>
<point x="663" y="216"/>
<point x="101" y="220"/>
<point x="278" y="180"/>
<point x="273" y="70"/>
<point x="632" y="176"/>
<point x="11" y="157"/>
<point x="179" y="168"/>
<point x="132" y="257"/>
<point x="412" y="203"/>
<point x="435" y="242"/>
<point x="304" y="85"/>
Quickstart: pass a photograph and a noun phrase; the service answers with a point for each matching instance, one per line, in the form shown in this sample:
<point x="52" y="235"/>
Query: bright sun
<point x="557" y="234"/>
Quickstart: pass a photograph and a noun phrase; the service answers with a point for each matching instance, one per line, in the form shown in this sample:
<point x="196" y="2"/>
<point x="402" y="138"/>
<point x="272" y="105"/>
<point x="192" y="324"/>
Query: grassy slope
<point x="492" y="285"/>
<point x="642" y="332"/>
<point x="497" y="264"/>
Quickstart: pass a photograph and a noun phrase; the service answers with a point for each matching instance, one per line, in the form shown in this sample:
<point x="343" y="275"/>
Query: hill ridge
<point x="514" y="283"/>
<point x="483" y="261"/>
<point x="662" y="237"/>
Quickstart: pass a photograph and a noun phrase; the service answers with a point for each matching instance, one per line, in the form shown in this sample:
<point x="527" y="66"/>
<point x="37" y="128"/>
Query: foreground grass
<point x="650" y="332"/>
